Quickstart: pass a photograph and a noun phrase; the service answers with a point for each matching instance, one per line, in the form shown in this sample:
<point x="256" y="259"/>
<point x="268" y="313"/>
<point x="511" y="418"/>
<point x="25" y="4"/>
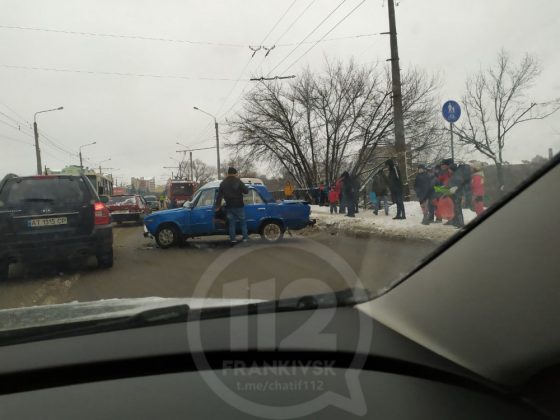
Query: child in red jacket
<point x="333" y="199"/>
<point x="477" y="188"/>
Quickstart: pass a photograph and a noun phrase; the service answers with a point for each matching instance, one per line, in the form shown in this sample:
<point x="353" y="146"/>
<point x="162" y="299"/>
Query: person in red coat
<point x="333" y="199"/>
<point x="477" y="188"/>
<point x="338" y="188"/>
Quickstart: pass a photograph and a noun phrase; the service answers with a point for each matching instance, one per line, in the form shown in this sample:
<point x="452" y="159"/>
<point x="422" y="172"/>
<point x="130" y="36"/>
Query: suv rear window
<point x="60" y="191"/>
<point x="122" y="199"/>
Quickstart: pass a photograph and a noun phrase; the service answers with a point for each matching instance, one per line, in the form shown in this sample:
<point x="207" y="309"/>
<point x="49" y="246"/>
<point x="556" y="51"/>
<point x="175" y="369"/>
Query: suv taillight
<point x="102" y="215"/>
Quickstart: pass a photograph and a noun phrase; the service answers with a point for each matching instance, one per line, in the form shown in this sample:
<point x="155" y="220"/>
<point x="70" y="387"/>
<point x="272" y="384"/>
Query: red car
<point x="128" y="208"/>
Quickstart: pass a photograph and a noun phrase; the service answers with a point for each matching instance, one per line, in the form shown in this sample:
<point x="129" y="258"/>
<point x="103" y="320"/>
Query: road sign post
<point x="451" y="112"/>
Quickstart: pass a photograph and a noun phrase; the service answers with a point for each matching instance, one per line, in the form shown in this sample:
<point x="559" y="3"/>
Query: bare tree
<point x="203" y="173"/>
<point x="319" y="125"/>
<point x="244" y="164"/>
<point x="496" y="101"/>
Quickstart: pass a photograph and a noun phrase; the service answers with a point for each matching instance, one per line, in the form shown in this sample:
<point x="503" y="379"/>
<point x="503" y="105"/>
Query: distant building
<point x="143" y="185"/>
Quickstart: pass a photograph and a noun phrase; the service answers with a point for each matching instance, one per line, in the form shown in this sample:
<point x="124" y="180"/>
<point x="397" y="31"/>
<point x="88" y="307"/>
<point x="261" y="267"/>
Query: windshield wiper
<point x="149" y="317"/>
<point x="346" y="297"/>
<point x="39" y="199"/>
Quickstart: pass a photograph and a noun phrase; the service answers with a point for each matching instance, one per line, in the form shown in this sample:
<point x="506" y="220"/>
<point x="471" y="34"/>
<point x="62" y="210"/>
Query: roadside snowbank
<point x="367" y="224"/>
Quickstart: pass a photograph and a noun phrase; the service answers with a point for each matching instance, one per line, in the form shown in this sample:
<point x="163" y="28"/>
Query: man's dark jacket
<point x="423" y="186"/>
<point x="231" y="190"/>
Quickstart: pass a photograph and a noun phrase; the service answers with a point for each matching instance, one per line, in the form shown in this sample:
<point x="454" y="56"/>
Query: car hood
<point x="163" y="212"/>
<point x="17" y="318"/>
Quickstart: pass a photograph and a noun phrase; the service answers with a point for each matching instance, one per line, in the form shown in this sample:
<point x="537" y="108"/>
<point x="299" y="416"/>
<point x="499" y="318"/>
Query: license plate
<point x="120" y="212"/>
<point x="51" y="221"/>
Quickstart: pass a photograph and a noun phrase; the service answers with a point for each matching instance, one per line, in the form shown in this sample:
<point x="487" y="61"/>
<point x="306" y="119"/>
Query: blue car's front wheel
<point x="167" y="236"/>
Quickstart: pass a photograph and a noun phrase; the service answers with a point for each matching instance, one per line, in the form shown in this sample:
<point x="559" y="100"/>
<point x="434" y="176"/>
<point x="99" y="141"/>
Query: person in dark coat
<point x="379" y="187"/>
<point x="232" y="190"/>
<point x="396" y="188"/>
<point x="348" y="194"/>
<point x="423" y="187"/>
<point x="459" y="181"/>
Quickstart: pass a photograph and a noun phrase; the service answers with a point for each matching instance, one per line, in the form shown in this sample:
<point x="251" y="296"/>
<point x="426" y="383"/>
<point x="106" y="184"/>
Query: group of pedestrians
<point x="445" y="189"/>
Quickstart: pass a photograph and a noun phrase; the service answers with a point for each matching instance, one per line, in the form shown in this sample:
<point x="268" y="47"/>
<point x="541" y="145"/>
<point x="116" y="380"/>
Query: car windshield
<point x="122" y="200"/>
<point x="373" y="133"/>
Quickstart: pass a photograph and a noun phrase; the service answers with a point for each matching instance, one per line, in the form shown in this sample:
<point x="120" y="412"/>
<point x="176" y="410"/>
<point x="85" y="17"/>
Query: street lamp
<point x="81" y="147"/>
<point x="36" y="132"/>
<point x="217" y="137"/>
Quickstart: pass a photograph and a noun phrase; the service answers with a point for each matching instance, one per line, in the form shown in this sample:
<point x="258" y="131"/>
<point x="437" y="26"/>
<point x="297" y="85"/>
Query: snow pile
<point x="368" y="224"/>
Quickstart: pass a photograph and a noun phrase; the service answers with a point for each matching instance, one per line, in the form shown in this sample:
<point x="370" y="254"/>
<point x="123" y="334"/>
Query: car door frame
<point x="255" y="212"/>
<point x="201" y="219"/>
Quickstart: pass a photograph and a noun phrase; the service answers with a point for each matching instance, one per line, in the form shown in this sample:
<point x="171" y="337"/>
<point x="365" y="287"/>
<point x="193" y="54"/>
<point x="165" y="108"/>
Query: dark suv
<point x="52" y="218"/>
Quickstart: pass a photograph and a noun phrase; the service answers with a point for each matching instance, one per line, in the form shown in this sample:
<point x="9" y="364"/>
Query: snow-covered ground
<point x="366" y="223"/>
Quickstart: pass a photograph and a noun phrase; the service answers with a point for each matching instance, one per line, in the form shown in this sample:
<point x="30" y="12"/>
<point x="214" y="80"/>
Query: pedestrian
<point x="338" y="188"/>
<point x="379" y="187"/>
<point x="396" y="188"/>
<point x="231" y="190"/>
<point x="477" y="187"/>
<point x="333" y="199"/>
<point x="432" y="202"/>
<point x="348" y="194"/>
<point x="461" y="177"/>
<point x="323" y="194"/>
<point x="423" y="188"/>
<point x="288" y="190"/>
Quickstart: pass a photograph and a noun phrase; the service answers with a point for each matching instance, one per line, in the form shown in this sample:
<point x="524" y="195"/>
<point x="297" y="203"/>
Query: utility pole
<point x="36" y="132"/>
<point x="192" y="171"/>
<point x="217" y="137"/>
<point x="217" y="147"/>
<point x="37" y="151"/>
<point x="400" y="143"/>
<point x="81" y="163"/>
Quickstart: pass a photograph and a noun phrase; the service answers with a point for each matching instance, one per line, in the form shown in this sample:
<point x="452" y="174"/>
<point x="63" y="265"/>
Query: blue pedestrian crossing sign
<point x="451" y="111"/>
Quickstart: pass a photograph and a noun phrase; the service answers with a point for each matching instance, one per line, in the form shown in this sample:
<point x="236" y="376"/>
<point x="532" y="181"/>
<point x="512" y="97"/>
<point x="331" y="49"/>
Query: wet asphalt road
<point x="308" y="262"/>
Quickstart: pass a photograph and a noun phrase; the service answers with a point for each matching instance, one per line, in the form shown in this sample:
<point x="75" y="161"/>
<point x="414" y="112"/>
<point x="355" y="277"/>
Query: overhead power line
<point x="296" y="20"/>
<point x="332" y="29"/>
<point x="247" y="65"/>
<point x="278" y="21"/>
<point x="110" y="73"/>
<point x="180" y="41"/>
<point x="338" y="38"/>
<point x="307" y="36"/>
<point x="137" y="37"/>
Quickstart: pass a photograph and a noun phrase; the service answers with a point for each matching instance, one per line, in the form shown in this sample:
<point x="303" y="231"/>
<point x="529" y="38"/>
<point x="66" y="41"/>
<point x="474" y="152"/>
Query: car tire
<point x="167" y="236"/>
<point x="271" y="231"/>
<point x="105" y="260"/>
<point x="4" y="270"/>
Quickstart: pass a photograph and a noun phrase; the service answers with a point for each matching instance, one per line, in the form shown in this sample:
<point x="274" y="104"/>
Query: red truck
<point x="177" y="192"/>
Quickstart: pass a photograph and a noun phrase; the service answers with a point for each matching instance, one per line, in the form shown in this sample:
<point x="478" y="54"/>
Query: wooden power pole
<point x="400" y="143"/>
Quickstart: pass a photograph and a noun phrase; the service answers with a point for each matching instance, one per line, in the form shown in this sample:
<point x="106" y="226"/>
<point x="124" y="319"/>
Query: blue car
<point x="264" y="216"/>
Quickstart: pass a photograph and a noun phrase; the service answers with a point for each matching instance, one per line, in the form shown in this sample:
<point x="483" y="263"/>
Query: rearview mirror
<point x="187" y="204"/>
<point x="104" y="199"/>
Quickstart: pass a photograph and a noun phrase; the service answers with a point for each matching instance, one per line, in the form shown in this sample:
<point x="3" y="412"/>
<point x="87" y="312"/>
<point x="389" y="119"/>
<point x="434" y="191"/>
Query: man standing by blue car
<point x="232" y="190"/>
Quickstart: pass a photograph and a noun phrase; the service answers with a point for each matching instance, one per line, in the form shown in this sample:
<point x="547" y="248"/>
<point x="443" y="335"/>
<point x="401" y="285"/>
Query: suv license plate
<point x="51" y="221"/>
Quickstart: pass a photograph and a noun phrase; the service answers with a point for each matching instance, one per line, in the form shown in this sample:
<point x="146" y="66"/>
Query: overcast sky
<point x="137" y="120"/>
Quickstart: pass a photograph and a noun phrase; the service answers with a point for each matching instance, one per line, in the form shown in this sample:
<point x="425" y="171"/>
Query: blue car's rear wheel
<point x="167" y="236"/>
<point x="271" y="231"/>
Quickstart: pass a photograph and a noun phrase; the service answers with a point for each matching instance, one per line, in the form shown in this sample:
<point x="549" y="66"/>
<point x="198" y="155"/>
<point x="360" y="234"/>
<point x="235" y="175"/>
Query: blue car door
<point x="255" y="209"/>
<point x="202" y="214"/>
